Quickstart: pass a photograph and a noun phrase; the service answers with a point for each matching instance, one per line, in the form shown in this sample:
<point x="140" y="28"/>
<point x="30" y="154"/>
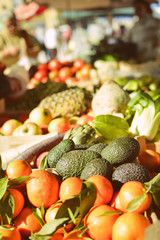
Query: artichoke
<point x="83" y="134"/>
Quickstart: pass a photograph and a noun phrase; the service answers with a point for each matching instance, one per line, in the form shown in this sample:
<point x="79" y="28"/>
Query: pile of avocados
<point x="117" y="160"/>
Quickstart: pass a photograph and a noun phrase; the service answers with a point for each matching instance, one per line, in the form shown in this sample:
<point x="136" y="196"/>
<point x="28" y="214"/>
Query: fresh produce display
<point x="73" y="183"/>
<point x="76" y="190"/>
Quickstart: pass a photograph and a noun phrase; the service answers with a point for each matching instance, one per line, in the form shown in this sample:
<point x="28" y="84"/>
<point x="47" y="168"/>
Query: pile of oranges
<point x="40" y="196"/>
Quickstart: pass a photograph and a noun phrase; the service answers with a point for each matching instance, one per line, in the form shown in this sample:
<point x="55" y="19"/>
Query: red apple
<point x="85" y="119"/>
<point x="59" y="125"/>
<point x="9" y="126"/>
<point x="3" y="118"/>
<point x="39" y="159"/>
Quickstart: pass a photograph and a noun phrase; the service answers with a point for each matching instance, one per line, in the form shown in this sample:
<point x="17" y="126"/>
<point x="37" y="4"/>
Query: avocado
<point x="56" y="152"/>
<point x="130" y="172"/>
<point x="97" y="166"/>
<point x="121" y="150"/>
<point x="81" y="146"/>
<point x="72" y="163"/>
<point x="98" y="147"/>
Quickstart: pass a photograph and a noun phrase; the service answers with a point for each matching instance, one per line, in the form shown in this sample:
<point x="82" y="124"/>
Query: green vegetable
<point x="146" y="115"/>
<point x="83" y="134"/>
<point x="110" y="126"/>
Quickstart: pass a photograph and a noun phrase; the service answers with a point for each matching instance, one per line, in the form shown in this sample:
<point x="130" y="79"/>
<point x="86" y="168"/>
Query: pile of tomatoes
<point x="63" y="72"/>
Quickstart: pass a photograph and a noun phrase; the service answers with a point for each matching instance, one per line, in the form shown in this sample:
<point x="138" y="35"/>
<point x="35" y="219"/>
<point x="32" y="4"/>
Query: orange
<point x="10" y="233"/>
<point x="75" y="234"/>
<point x="149" y="159"/>
<point x="115" y="202"/>
<point x="50" y="216"/>
<point x="18" y="168"/>
<point x="42" y="188"/>
<point x="129" y="191"/>
<point x="100" y="226"/>
<point x="18" y="200"/>
<point x="27" y="222"/>
<point x="69" y="187"/>
<point x="104" y="189"/>
<point x="130" y="226"/>
<point x="57" y="236"/>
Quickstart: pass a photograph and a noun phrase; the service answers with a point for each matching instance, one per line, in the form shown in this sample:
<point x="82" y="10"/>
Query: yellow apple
<point x="9" y="126"/>
<point x="59" y="125"/>
<point x="40" y="115"/>
<point x="27" y="129"/>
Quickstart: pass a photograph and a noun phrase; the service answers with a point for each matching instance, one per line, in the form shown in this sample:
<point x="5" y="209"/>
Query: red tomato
<point x="85" y="71"/>
<point x="54" y="64"/>
<point x="79" y="63"/>
<point x="43" y="66"/>
<point x="40" y="74"/>
<point x="64" y="73"/>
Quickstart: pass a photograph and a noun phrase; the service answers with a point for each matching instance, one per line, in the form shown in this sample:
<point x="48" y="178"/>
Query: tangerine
<point x="69" y="187"/>
<point x="149" y="159"/>
<point x="76" y="234"/>
<point x="18" y="168"/>
<point x="18" y="200"/>
<point x="98" y="223"/>
<point x="26" y="222"/>
<point x="50" y="216"/>
<point x="129" y="191"/>
<point x="130" y="226"/>
<point x="42" y="188"/>
<point x="10" y="232"/>
<point x="104" y="189"/>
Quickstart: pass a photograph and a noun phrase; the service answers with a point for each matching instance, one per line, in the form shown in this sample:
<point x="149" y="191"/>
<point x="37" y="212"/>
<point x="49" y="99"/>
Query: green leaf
<point x="38" y="214"/>
<point x="136" y="202"/>
<point x="111" y="213"/>
<point x="17" y="181"/>
<point x="3" y="184"/>
<point x="72" y="204"/>
<point x="153" y="186"/>
<point x="110" y="126"/>
<point x="49" y="229"/>
<point x="87" y="197"/>
<point x="1" y="236"/>
<point x="7" y="207"/>
<point x="43" y="164"/>
<point x="152" y="231"/>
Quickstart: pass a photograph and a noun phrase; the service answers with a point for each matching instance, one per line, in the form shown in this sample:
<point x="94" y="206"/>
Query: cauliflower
<point x="110" y="99"/>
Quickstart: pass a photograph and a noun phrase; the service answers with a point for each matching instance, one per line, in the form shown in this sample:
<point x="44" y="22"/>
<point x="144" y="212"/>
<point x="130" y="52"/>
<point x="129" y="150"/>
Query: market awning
<point x="87" y="4"/>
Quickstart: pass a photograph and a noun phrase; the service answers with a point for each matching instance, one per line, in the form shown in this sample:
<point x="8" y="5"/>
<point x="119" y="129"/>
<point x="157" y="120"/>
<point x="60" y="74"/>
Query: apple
<point x="9" y="126"/>
<point x="40" y="115"/>
<point x="27" y="129"/>
<point x="23" y="117"/>
<point x="3" y="118"/>
<point x="85" y="119"/>
<point x="39" y="159"/>
<point x="59" y="125"/>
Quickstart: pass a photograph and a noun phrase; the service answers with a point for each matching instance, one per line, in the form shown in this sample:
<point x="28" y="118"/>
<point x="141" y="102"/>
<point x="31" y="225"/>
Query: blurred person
<point x="8" y="85"/>
<point x="15" y="43"/>
<point x="146" y="32"/>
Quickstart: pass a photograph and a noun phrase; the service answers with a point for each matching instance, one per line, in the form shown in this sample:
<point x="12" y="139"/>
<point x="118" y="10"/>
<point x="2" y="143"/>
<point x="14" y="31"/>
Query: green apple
<point x="40" y="115"/>
<point x="9" y="126"/>
<point x="27" y="129"/>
